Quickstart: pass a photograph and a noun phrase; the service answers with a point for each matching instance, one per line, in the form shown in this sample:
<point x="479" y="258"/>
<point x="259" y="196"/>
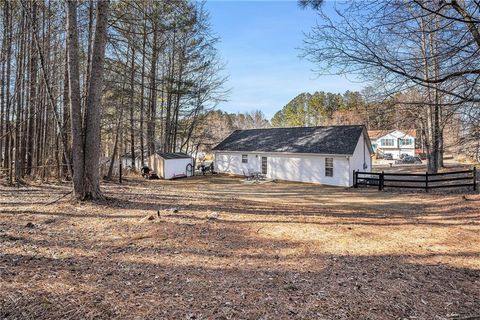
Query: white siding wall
<point x="127" y="163"/>
<point x="308" y="168"/>
<point x="155" y="163"/>
<point x="397" y="150"/>
<point x="175" y="167"/>
<point x="291" y="167"/>
<point x="230" y="162"/>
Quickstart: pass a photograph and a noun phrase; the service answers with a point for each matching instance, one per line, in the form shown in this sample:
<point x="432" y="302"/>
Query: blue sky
<point x="260" y="43"/>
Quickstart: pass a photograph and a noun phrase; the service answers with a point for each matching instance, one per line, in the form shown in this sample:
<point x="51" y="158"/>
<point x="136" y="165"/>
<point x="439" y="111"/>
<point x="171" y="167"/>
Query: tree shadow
<point x="344" y="287"/>
<point x="100" y="262"/>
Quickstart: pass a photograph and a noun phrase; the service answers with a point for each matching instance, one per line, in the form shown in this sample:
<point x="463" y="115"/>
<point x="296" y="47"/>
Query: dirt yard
<point x="221" y="249"/>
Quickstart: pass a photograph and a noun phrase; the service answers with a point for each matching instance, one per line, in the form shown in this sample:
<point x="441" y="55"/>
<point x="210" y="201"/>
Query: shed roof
<point x="321" y="140"/>
<point x="173" y="155"/>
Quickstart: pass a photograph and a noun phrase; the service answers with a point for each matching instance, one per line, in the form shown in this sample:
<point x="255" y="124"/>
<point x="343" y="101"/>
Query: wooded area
<point x="421" y="54"/>
<point x="352" y="107"/>
<point x="83" y="82"/>
<point x="273" y="231"/>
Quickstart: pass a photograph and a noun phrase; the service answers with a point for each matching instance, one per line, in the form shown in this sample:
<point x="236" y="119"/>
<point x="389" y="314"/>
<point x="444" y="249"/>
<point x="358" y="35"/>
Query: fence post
<point x="380" y="182"/>
<point x="426" y="181"/>
<point x="120" y="173"/>
<point x="474" y="178"/>
<point x="355" y="185"/>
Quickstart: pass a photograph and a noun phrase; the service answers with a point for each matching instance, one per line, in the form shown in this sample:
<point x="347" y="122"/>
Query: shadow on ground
<point x="277" y="251"/>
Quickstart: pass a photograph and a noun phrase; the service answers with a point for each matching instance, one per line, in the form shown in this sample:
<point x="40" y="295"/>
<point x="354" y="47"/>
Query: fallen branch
<point x="66" y="194"/>
<point x="469" y="199"/>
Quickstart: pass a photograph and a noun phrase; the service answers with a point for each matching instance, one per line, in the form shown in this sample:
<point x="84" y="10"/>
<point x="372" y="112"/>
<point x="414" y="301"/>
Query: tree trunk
<point x="437" y="98"/>
<point x="171" y="77"/>
<point x="8" y="131"/>
<point x="142" y="98"/>
<point x="33" y="97"/>
<point x="66" y="116"/>
<point x="468" y="20"/>
<point x="432" y="146"/>
<point x="18" y="97"/>
<point x="132" y="123"/>
<point x="119" y="124"/>
<point x="153" y="96"/>
<point x="86" y="76"/>
<point x="173" y="143"/>
<point x="2" y="89"/>
<point x="115" y="147"/>
<point x="92" y="123"/>
<point x="75" y="101"/>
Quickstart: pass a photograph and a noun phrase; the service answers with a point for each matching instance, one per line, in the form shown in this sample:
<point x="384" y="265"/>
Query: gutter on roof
<point x="286" y="153"/>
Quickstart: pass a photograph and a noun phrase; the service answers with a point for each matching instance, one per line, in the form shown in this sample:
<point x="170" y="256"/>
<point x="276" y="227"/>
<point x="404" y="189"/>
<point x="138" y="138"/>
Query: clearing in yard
<point x="221" y="249"/>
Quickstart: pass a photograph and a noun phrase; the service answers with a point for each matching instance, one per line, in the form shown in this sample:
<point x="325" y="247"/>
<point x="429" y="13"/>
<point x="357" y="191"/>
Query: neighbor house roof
<point x="376" y="134"/>
<point x="173" y="155"/>
<point x="410" y="132"/>
<point x="321" y="140"/>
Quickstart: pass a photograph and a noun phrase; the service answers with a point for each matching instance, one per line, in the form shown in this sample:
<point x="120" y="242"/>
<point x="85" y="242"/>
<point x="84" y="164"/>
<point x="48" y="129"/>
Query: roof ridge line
<point x="300" y="127"/>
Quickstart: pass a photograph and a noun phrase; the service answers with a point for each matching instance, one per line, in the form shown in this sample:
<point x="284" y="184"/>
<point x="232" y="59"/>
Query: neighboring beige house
<point x="396" y="142"/>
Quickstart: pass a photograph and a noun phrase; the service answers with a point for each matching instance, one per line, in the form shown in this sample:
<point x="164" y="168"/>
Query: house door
<point x="264" y="165"/>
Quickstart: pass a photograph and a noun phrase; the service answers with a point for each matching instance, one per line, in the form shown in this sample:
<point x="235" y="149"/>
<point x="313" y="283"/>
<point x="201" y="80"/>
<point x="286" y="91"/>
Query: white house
<point x="169" y="165"/>
<point x="126" y="160"/>
<point x="395" y="142"/>
<point x="325" y="155"/>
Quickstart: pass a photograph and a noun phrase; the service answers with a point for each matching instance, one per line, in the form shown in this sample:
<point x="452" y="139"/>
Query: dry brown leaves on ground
<point x="214" y="248"/>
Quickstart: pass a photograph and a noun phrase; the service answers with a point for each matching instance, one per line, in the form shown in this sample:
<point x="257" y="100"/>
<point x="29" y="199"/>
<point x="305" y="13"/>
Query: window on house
<point x="387" y="142"/>
<point x="329" y="167"/>
<point x="405" y="142"/>
<point x="244" y="158"/>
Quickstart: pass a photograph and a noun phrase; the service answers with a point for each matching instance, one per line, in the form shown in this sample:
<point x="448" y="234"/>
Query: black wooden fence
<point x="426" y="181"/>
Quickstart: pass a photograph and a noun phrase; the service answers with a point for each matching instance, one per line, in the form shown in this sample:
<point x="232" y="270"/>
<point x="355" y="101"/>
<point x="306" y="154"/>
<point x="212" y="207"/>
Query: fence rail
<point x="384" y="180"/>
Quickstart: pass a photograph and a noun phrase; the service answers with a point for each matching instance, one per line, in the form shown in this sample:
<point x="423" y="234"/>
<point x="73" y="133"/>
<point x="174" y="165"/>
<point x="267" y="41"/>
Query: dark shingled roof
<point x="173" y="155"/>
<point x="322" y="140"/>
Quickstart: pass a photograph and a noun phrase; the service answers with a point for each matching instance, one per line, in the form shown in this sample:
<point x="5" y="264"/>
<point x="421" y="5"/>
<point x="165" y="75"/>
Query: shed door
<point x="264" y="165"/>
